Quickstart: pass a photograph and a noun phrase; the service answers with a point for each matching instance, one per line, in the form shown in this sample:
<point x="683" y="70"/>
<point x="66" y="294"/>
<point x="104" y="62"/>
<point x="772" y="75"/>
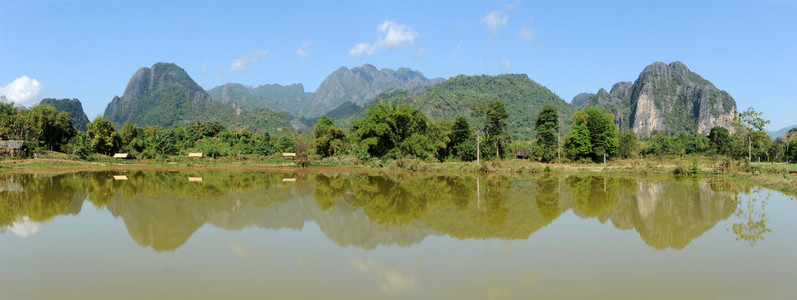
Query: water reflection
<point x="162" y="210"/>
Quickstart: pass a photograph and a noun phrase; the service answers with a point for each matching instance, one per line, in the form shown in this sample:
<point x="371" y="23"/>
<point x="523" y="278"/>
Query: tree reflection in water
<point x="754" y="220"/>
<point x="162" y="210"/>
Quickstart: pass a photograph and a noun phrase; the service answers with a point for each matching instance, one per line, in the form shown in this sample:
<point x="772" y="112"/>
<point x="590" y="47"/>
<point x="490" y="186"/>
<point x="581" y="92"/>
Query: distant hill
<point x="668" y="98"/>
<point x="361" y="84"/>
<point x="288" y="98"/>
<point x="73" y="108"/>
<point x="781" y="133"/>
<point x="579" y="99"/>
<point x="238" y="93"/>
<point x="165" y="95"/>
<point x="456" y="97"/>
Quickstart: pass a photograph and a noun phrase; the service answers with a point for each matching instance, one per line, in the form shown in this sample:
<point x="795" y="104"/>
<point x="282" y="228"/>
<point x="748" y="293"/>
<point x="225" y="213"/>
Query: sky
<point x="90" y="49"/>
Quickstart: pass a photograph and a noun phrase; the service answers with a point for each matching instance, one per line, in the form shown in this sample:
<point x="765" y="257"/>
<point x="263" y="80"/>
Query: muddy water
<point x="254" y="235"/>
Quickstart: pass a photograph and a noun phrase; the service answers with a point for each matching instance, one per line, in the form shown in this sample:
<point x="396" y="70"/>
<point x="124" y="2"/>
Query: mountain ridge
<point x="668" y="98"/>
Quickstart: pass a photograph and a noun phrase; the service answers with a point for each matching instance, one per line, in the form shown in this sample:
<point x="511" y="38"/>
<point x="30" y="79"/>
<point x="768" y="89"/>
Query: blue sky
<point x="89" y="49"/>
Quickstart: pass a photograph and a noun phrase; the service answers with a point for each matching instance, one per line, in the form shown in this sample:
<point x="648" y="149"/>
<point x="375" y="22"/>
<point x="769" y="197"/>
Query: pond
<point x="333" y="235"/>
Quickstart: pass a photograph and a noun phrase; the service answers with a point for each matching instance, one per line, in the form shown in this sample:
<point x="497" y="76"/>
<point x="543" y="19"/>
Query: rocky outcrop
<point x="288" y="98"/>
<point x="361" y="84"/>
<point x="667" y="98"/>
<point x="162" y="95"/>
<point x="165" y="95"/>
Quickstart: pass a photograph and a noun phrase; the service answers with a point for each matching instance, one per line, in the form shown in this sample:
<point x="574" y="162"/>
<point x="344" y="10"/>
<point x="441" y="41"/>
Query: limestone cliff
<point x="667" y="98"/>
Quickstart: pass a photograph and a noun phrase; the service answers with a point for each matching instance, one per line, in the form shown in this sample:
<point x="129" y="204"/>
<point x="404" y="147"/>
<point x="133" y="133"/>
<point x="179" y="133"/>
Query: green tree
<point x="461" y="139"/>
<point x="578" y="142"/>
<point x="286" y="144"/>
<point x="750" y="125"/>
<point x="628" y="144"/>
<point x="601" y="130"/>
<point x="495" y="115"/>
<point x="328" y="139"/>
<point x="547" y="126"/>
<point x="393" y="130"/>
<point x="50" y="127"/>
<point x="720" y="140"/>
<point x="103" y="135"/>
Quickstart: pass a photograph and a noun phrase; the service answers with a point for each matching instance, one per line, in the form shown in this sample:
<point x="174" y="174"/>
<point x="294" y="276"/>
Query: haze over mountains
<point x="664" y="98"/>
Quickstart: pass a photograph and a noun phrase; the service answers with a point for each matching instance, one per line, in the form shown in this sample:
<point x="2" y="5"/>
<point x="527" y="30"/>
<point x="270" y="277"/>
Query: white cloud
<point x="304" y="50"/>
<point x="205" y="68"/>
<point x="506" y="65"/>
<point x="394" y="280"/>
<point x="22" y="90"/>
<point x="391" y="36"/>
<point x="360" y="49"/>
<point x="24" y="227"/>
<point x="495" y="21"/>
<point x="526" y="34"/>
<point x="240" y="64"/>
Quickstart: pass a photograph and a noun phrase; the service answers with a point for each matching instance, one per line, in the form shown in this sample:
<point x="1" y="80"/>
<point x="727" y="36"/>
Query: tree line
<point x="390" y="130"/>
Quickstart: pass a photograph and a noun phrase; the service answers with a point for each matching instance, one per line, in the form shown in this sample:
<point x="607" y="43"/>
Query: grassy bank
<point x="779" y="177"/>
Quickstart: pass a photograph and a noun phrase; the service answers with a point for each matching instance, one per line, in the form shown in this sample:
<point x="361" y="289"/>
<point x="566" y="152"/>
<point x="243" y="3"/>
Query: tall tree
<point x="628" y="144"/>
<point x="602" y="133"/>
<point x="392" y="129"/>
<point x="720" y="140"/>
<point x="547" y="126"/>
<point x="751" y="126"/>
<point x="51" y="127"/>
<point x="460" y="137"/>
<point x="328" y="139"/>
<point x="103" y="135"/>
<point x="495" y="116"/>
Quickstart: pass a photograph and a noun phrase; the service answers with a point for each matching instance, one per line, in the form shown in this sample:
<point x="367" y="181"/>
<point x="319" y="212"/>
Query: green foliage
<point x="628" y="144"/>
<point x="173" y="98"/>
<point x="328" y="139"/>
<point x="750" y="126"/>
<point x="286" y="144"/>
<point x="73" y="108"/>
<point x="42" y="125"/>
<point x="391" y="129"/>
<point x="52" y="128"/>
<point x="720" y="140"/>
<point x="456" y="97"/>
<point x="593" y="125"/>
<point x="103" y="136"/>
<point x="494" y="119"/>
<point x="791" y="151"/>
<point x="547" y="126"/>
<point x="578" y="143"/>
<point x="461" y="141"/>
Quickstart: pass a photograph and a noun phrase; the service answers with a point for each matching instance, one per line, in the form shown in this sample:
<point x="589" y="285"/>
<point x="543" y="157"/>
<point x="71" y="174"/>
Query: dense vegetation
<point x="71" y="107"/>
<point x="39" y="126"/>
<point x="391" y="130"/>
<point x="166" y="96"/>
<point x="458" y="96"/>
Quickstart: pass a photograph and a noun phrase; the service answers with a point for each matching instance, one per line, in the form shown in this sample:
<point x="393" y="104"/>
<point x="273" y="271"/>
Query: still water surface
<point x="239" y="235"/>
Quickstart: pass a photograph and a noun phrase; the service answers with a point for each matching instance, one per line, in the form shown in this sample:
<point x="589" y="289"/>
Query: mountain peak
<point x="361" y="84"/>
<point x="669" y="98"/>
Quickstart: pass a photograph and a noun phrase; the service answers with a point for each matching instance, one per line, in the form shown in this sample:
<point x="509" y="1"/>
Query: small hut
<point x="11" y="146"/>
<point x="523" y="154"/>
<point x="122" y="156"/>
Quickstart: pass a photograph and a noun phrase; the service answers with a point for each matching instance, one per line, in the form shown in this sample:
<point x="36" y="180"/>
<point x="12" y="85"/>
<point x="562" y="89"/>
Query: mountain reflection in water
<point x="162" y="210"/>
